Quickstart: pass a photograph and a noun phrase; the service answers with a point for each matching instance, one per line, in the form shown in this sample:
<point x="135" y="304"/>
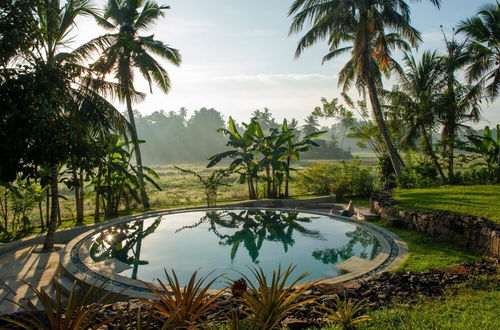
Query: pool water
<point x="231" y="241"/>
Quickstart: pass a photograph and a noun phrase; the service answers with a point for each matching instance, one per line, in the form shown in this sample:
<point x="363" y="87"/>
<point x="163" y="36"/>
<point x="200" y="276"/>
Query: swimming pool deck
<point x="20" y="265"/>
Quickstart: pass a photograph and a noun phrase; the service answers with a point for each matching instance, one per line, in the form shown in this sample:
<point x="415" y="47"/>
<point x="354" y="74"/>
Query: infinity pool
<point x="228" y="241"/>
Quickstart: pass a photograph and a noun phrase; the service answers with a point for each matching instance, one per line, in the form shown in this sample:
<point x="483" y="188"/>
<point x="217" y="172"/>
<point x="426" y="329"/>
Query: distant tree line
<point x="173" y="137"/>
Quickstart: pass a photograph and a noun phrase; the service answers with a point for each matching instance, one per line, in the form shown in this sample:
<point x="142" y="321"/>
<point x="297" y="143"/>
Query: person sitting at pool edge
<point x="348" y="211"/>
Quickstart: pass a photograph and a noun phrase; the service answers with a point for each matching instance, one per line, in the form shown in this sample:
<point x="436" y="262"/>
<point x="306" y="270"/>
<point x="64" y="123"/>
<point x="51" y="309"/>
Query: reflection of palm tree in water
<point x="255" y="227"/>
<point x="118" y="241"/>
<point x="358" y="236"/>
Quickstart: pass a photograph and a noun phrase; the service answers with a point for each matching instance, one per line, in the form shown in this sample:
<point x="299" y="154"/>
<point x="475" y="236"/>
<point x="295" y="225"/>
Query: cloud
<point x="272" y="78"/>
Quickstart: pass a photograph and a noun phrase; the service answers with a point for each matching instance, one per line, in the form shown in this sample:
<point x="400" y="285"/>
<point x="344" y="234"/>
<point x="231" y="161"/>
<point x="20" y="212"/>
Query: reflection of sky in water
<point x="234" y="239"/>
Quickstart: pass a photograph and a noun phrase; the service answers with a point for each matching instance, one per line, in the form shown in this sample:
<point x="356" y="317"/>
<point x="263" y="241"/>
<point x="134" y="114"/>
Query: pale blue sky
<point x="237" y="56"/>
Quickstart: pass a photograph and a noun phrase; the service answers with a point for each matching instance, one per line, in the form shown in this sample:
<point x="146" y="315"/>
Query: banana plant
<point x="488" y="148"/>
<point x="117" y="180"/>
<point x="243" y="154"/>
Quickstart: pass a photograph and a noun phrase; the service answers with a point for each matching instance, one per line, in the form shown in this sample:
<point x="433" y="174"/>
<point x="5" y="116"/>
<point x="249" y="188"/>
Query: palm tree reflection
<point x="357" y="237"/>
<point x="255" y="227"/>
<point x="120" y="241"/>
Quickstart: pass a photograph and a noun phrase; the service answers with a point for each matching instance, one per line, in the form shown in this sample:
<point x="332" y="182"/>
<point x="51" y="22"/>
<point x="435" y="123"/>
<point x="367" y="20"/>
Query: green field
<point x="477" y="200"/>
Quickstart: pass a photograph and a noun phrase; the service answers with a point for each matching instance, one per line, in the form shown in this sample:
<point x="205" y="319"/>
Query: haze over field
<point x="237" y="57"/>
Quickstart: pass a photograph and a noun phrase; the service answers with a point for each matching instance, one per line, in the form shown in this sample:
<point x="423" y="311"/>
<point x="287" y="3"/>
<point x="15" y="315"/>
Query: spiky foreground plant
<point x="182" y="307"/>
<point x="266" y="305"/>
<point x="80" y="313"/>
<point x="345" y="312"/>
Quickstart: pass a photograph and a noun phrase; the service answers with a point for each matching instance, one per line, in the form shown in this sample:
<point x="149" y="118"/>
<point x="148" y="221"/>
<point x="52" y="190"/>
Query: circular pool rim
<point x="77" y="264"/>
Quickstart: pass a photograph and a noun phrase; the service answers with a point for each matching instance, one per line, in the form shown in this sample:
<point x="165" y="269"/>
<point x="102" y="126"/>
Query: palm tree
<point x="372" y="29"/>
<point x="459" y="103"/>
<point x="125" y="50"/>
<point x="311" y="125"/>
<point x="73" y="96"/>
<point x="416" y="99"/>
<point x="483" y="37"/>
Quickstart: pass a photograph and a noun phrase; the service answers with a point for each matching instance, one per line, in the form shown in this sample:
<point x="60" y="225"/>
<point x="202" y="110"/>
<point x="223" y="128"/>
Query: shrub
<point x="345" y="313"/>
<point x="81" y="312"/>
<point x="347" y="179"/>
<point x="419" y="175"/>
<point x="385" y="173"/>
<point x="267" y="304"/>
<point x="182" y="307"/>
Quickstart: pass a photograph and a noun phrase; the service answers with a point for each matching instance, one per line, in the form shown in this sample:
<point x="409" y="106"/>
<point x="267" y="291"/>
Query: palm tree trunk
<point x="379" y="118"/>
<point x="47" y="205"/>
<point x="288" y="159"/>
<point x="432" y="154"/>
<point x="97" y="189"/>
<point x="268" y="179"/>
<point x="52" y="222"/>
<point x="137" y="150"/>
<point x="40" y="211"/>
<point x="78" y="197"/>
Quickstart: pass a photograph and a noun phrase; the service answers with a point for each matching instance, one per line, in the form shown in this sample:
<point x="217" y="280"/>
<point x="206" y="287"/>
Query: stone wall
<point x="479" y="235"/>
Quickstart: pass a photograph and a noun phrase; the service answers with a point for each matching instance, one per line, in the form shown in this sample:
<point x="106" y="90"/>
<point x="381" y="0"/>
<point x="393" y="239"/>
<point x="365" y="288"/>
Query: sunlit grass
<point x="477" y="200"/>
<point x="426" y="252"/>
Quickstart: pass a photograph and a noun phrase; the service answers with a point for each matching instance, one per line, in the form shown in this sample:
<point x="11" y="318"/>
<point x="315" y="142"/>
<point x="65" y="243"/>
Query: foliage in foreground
<point x="266" y="304"/>
<point x="182" y="307"/>
<point x="80" y="312"/>
<point x="345" y="313"/>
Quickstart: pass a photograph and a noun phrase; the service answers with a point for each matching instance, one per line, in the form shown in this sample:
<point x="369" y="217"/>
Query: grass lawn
<point x="474" y="305"/>
<point x="426" y="252"/>
<point x="478" y="200"/>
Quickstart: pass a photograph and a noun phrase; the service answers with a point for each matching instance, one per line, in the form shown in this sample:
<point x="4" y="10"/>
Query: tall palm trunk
<point x="137" y="150"/>
<point x="78" y="197"/>
<point x="40" y="212"/>
<point x="52" y="222"/>
<point x="397" y="164"/>
<point x="268" y="179"/>
<point x="432" y="154"/>
<point x="97" y="190"/>
<point x="287" y="178"/>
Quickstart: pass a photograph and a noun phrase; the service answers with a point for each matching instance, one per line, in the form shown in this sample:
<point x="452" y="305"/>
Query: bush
<point x="479" y="175"/>
<point x="386" y="178"/>
<point x="347" y="179"/>
<point x="419" y="175"/>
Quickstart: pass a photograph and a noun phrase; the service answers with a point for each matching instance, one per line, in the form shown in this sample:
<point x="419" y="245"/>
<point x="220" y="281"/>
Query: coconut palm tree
<point x="483" y="37"/>
<point x="367" y="29"/>
<point x="125" y="51"/>
<point x="73" y="100"/>
<point x="416" y="99"/>
<point x="460" y="103"/>
<point x="311" y="125"/>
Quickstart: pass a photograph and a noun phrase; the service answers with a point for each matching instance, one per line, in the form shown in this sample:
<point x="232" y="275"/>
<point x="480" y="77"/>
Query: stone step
<point x="391" y="220"/>
<point x="66" y="285"/>
<point x="366" y="216"/>
<point x="34" y="303"/>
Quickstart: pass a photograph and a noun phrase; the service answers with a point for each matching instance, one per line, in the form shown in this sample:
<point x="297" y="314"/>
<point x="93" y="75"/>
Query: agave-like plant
<point x="81" y="311"/>
<point x="345" y="312"/>
<point x="266" y="304"/>
<point x="181" y="307"/>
